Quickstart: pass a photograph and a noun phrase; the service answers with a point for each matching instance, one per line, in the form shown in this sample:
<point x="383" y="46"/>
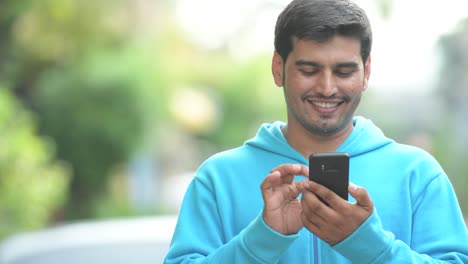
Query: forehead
<point x="336" y="49"/>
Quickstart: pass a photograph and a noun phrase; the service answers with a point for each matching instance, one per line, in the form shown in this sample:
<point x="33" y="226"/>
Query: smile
<point x="325" y="104"/>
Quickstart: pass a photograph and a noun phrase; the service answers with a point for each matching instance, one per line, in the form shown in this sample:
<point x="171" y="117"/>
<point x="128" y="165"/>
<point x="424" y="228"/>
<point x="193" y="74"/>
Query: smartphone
<point x="331" y="170"/>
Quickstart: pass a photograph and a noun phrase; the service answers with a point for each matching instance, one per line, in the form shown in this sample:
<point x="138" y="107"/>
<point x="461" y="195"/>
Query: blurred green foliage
<point x="32" y="185"/>
<point x="244" y="93"/>
<point x="103" y="88"/>
<point x="452" y="88"/>
<point x="95" y="121"/>
<point x="68" y="61"/>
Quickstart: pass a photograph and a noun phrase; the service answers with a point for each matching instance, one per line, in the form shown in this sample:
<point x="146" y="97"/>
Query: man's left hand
<point x="336" y="221"/>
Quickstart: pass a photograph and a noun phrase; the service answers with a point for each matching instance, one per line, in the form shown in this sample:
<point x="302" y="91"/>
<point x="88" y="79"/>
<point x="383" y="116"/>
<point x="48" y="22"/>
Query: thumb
<point x="362" y="197"/>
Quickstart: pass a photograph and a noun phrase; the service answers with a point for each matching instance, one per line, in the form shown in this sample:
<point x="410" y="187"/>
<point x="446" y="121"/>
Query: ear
<point x="277" y="69"/>
<point x="367" y="72"/>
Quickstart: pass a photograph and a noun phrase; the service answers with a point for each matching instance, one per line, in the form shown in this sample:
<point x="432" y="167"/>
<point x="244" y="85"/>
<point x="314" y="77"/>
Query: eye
<point x="345" y="72"/>
<point x="308" y="72"/>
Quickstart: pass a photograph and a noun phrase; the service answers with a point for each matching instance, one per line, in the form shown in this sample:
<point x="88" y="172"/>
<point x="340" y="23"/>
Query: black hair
<point x="320" y="20"/>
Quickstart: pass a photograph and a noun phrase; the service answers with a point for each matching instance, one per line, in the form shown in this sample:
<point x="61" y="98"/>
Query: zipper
<point x="315" y="249"/>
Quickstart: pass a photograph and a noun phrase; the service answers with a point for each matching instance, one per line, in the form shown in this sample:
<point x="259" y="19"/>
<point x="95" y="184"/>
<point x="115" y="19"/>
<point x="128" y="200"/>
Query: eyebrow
<point x="347" y="65"/>
<point x="316" y="64"/>
<point x="308" y="63"/>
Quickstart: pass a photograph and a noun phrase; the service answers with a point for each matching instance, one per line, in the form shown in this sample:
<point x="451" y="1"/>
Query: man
<point x="403" y="208"/>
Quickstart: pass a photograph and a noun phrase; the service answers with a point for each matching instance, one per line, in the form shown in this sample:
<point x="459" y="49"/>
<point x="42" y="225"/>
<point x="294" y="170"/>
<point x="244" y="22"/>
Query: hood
<point x="365" y="137"/>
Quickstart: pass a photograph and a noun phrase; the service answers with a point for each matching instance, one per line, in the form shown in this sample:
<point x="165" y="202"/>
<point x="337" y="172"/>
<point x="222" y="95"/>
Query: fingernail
<point x="353" y="186"/>
<point x="275" y="172"/>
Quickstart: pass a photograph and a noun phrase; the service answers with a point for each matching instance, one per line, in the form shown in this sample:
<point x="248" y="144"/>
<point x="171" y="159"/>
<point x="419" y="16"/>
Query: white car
<point x="141" y="240"/>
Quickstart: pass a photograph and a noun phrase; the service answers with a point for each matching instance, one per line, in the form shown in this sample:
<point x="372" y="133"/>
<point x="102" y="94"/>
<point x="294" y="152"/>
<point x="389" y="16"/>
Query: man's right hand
<point x="282" y="208"/>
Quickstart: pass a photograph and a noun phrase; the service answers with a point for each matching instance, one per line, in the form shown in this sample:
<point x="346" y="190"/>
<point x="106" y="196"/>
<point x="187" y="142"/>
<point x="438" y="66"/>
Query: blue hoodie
<point x="416" y="219"/>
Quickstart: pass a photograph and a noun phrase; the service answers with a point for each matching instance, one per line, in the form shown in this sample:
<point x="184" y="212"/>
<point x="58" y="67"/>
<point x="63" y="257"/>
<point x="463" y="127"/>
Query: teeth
<point x="325" y="104"/>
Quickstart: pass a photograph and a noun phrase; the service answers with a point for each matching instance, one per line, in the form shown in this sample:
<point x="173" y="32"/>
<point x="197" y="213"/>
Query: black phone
<point x="331" y="170"/>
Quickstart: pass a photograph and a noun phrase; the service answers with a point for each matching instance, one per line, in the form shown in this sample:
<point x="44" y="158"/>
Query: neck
<point x="307" y="143"/>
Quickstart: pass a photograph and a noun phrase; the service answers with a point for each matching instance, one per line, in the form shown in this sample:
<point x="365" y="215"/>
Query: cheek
<point x="299" y="82"/>
<point x="354" y="85"/>
<point x="293" y="77"/>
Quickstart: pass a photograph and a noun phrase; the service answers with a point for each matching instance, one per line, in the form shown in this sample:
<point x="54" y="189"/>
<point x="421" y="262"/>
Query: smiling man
<point x="251" y="205"/>
<point x="323" y="83"/>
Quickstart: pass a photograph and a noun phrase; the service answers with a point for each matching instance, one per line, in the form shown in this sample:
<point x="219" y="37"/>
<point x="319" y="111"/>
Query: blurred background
<point x="108" y="106"/>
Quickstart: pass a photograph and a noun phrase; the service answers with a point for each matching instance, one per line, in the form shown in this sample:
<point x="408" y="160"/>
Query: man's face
<point x="322" y="83"/>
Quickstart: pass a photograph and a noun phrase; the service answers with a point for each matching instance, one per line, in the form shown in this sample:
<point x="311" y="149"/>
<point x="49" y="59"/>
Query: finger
<point x="288" y="171"/>
<point x="310" y="224"/>
<point x="327" y="196"/>
<point x="268" y="187"/>
<point x="314" y="213"/>
<point x="297" y="169"/>
<point x="312" y="205"/>
<point x="362" y="196"/>
<point x="314" y="208"/>
<point x="272" y="180"/>
<point x="300" y="185"/>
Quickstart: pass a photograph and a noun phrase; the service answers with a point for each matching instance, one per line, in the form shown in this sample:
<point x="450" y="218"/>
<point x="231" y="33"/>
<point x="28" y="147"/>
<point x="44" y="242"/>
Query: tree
<point x="61" y="59"/>
<point x="33" y="184"/>
<point x="96" y="120"/>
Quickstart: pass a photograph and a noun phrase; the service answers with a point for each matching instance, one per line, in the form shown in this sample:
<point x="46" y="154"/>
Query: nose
<point x="326" y="84"/>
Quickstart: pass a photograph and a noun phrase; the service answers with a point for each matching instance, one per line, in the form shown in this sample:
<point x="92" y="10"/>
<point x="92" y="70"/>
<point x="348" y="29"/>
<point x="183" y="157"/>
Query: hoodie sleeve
<point x="439" y="233"/>
<point x="199" y="236"/>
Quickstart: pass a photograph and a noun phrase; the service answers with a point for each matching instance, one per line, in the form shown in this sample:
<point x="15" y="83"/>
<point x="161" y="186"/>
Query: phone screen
<point x="331" y="170"/>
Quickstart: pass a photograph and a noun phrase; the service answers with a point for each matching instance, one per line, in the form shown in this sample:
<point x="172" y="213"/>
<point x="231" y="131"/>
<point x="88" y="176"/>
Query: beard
<point x="325" y="125"/>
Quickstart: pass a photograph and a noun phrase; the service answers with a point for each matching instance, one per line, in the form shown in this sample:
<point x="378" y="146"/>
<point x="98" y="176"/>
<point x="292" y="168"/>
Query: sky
<point x="404" y="55"/>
